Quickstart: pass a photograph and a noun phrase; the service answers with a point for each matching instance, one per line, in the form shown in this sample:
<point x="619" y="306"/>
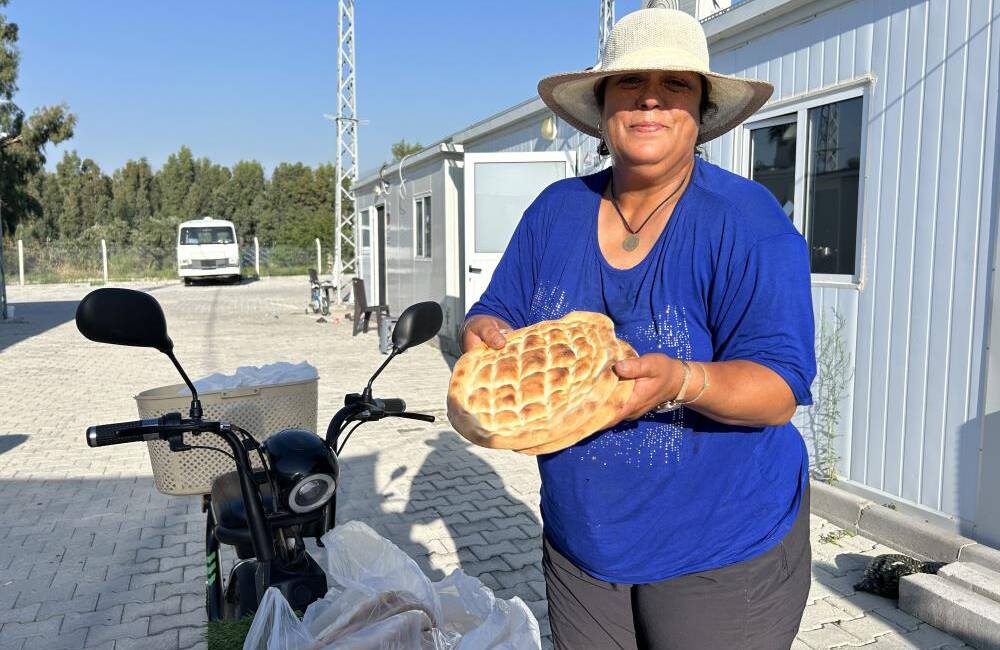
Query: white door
<point x="365" y="260"/>
<point x="376" y="292"/>
<point x="498" y="189"/>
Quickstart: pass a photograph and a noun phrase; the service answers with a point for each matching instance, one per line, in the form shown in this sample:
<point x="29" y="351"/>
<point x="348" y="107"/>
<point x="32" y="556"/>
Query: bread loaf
<point x="551" y="386"/>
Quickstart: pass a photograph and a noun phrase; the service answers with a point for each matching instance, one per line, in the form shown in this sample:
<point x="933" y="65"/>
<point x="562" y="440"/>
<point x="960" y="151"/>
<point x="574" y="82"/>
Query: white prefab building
<point x="882" y="143"/>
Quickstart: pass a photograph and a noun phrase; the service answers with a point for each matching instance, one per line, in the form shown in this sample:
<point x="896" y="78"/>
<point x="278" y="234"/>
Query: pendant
<point x="631" y="242"/>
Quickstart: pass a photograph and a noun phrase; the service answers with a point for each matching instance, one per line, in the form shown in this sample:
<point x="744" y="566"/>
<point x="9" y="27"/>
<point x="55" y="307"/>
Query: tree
<point x="242" y="197"/>
<point x="69" y="179"/>
<point x="43" y="188"/>
<point x="22" y="147"/>
<point x="175" y="179"/>
<point x="294" y="207"/>
<point x="135" y="194"/>
<point x="86" y="201"/>
<point x="403" y="148"/>
<point x="202" y="198"/>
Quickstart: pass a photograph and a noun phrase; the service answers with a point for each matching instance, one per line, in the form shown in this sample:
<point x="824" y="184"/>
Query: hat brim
<point x="571" y="96"/>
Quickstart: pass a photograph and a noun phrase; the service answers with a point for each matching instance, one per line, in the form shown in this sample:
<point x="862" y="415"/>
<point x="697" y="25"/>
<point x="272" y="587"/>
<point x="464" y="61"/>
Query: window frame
<point x="419" y="236"/>
<point x="799" y="106"/>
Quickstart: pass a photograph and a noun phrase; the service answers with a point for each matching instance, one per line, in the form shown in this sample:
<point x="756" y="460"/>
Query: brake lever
<point x="176" y="442"/>
<point x="415" y="416"/>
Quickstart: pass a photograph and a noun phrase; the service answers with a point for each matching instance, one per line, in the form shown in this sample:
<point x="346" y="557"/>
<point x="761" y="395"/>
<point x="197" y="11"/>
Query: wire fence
<point x="43" y="263"/>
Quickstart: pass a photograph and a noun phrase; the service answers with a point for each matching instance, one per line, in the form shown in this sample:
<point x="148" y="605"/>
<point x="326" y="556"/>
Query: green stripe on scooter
<point x="211" y="580"/>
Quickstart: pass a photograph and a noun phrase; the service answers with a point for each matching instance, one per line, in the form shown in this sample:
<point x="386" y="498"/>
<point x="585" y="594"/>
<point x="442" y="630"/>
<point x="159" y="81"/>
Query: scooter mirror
<point x="123" y="317"/>
<point x="417" y="324"/>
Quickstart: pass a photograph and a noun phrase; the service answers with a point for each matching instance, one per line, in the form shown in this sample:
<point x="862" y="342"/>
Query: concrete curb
<point x="949" y="607"/>
<point x="906" y="533"/>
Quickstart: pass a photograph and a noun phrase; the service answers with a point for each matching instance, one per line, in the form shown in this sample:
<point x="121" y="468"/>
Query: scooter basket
<point x="261" y="410"/>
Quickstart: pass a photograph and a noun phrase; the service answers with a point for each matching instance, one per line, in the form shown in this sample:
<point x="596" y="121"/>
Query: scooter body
<point x="264" y="515"/>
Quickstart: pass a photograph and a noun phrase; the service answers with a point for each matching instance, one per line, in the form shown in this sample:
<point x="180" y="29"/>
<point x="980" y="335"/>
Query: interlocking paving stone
<point x="91" y="529"/>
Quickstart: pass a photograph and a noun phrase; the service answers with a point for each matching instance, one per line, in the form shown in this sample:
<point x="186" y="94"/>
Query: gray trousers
<point x="752" y="605"/>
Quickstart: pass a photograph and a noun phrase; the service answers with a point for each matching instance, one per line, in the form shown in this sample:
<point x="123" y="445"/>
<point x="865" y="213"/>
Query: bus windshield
<point x="207" y="235"/>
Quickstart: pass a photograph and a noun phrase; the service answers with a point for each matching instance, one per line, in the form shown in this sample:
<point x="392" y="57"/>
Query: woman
<point x="686" y="524"/>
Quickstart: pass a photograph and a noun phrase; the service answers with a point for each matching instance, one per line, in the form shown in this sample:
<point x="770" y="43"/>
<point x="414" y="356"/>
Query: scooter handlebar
<point x="115" y="433"/>
<point x="393" y="406"/>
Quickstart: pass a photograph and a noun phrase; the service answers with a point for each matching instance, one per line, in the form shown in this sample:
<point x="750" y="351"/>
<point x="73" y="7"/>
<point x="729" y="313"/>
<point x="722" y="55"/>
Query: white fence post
<point x="104" y="260"/>
<point x="319" y="257"/>
<point x="20" y="262"/>
<point x="256" y="256"/>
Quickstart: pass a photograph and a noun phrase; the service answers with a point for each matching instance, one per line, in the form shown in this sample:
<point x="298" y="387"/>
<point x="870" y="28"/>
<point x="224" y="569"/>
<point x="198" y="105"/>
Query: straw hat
<point x="652" y="40"/>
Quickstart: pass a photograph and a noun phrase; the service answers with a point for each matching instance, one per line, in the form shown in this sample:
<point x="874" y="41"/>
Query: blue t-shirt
<point x="672" y="493"/>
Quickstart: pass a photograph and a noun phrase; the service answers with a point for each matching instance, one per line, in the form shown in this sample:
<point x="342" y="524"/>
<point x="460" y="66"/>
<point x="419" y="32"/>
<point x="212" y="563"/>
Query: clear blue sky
<point x="242" y="79"/>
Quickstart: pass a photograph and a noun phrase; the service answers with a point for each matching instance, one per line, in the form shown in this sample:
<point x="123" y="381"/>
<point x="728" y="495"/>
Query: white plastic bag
<point x="379" y="598"/>
<point x="341" y="614"/>
<point x="281" y="372"/>
<point x="403" y="631"/>
<point x="359" y="559"/>
<point x="276" y="626"/>
<point x="481" y="621"/>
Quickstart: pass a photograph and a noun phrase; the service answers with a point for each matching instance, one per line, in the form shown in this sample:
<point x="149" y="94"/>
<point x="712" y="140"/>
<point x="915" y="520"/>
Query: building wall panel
<point x="917" y="321"/>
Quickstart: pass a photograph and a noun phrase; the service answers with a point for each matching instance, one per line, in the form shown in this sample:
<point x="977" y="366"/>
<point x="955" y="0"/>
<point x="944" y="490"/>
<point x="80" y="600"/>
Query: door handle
<point x="473" y="269"/>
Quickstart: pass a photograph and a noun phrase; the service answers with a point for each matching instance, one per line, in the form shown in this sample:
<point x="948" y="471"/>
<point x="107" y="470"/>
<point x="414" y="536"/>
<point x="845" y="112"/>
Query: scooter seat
<point x="227" y="500"/>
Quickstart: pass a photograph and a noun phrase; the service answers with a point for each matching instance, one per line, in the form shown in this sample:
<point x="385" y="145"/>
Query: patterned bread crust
<point x="552" y="379"/>
<point x="610" y="410"/>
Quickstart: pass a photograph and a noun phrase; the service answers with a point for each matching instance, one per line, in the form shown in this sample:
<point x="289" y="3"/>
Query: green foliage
<point x="79" y="203"/>
<point x="834" y="371"/>
<point x="404" y="148"/>
<point x="227" y="635"/>
<point x="835" y="536"/>
<point x="24" y="140"/>
<point x="134" y="193"/>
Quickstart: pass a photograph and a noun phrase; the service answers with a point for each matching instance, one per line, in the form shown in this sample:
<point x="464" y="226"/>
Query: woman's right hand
<point x="486" y="329"/>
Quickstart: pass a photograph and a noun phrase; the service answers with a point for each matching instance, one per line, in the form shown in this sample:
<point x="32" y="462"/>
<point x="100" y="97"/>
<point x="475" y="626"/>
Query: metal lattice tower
<point x="607" y="22"/>
<point x="345" y="244"/>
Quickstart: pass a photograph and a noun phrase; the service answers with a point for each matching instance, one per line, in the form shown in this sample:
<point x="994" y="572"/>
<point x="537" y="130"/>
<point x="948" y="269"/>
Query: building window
<point x="366" y="230"/>
<point x="422" y="227"/>
<point x="773" y="155"/>
<point x="815" y="178"/>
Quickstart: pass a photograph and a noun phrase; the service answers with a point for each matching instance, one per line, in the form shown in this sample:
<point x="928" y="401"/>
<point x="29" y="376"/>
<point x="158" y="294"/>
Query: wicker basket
<point x="261" y="410"/>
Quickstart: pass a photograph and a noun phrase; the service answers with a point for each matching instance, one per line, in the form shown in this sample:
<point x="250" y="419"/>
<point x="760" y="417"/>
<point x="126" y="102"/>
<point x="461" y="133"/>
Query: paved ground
<point x="92" y="556"/>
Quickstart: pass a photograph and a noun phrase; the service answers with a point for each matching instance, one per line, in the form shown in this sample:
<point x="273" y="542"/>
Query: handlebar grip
<point x="393" y="406"/>
<point x="115" y="433"/>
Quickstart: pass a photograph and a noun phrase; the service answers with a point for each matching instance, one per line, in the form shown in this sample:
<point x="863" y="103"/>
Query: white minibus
<point x="207" y="248"/>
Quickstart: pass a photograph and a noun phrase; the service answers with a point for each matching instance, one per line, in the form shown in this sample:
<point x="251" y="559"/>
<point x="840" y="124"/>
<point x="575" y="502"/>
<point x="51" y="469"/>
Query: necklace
<point x="631" y="242"/>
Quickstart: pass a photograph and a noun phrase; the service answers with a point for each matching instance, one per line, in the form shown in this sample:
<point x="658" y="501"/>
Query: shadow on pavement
<point x="11" y="440"/>
<point x="485" y="529"/>
<point x="449" y="358"/>
<point x="34" y="318"/>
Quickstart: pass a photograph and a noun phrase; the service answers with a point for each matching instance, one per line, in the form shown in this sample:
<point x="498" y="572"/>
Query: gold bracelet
<point x="678" y="400"/>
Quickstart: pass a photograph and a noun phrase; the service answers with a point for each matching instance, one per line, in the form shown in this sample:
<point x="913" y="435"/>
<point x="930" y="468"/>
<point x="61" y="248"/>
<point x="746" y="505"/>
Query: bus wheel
<point x="187" y="282"/>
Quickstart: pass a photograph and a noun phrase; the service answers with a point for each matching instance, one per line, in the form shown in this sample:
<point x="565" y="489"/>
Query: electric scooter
<point x="266" y="514"/>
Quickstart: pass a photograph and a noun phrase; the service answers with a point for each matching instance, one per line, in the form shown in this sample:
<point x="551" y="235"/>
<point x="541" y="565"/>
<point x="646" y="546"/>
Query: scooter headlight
<point x="304" y="470"/>
<point x="311" y="492"/>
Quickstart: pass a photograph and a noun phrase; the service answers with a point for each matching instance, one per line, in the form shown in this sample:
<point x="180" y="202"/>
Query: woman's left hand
<point x="657" y="379"/>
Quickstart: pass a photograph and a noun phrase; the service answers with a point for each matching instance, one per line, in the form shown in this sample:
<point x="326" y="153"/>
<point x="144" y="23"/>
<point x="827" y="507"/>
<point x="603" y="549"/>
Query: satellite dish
<point x="662" y="4"/>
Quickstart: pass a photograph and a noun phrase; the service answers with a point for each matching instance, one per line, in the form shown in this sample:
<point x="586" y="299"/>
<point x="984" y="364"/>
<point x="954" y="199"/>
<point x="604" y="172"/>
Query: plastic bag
<point x="379" y="598"/>
<point x="361" y="560"/>
<point x="342" y="613"/>
<point x="276" y="626"/>
<point x="281" y="372"/>
<point x="480" y="621"/>
<point x="403" y="631"/>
